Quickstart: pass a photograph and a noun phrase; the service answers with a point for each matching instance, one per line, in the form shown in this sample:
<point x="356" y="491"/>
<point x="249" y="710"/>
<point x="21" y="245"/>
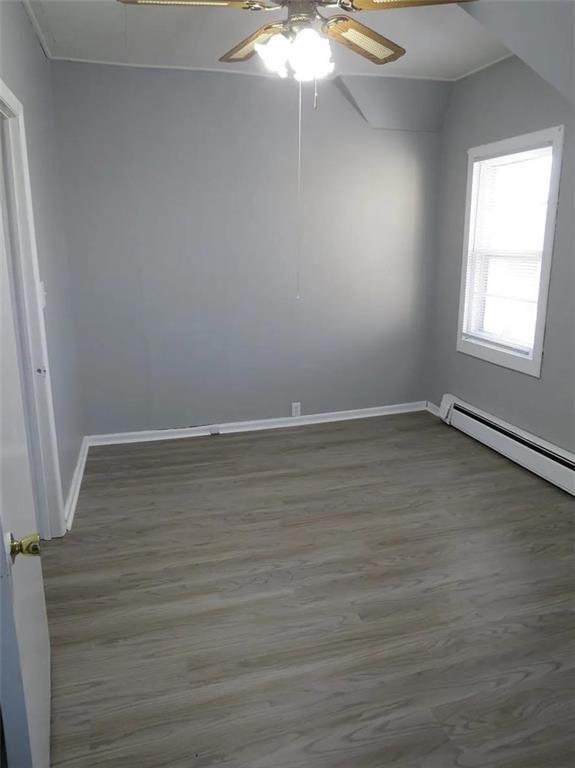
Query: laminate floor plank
<point x="383" y="593"/>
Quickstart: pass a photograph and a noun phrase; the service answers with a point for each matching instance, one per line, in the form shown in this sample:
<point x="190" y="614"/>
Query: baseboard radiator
<point x="544" y="459"/>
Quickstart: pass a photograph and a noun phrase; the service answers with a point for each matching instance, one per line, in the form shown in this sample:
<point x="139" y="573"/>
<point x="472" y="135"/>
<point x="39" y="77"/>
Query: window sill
<point x="505" y="358"/>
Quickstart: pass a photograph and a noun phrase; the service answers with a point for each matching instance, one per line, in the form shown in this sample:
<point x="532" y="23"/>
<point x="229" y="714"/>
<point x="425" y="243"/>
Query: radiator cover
<point x="538" y="456"/>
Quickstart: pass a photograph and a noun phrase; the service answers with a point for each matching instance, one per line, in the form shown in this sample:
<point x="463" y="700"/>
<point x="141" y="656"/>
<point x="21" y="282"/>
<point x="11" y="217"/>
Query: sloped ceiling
<point x="541" y="32"/>
<point x="398" y="103"/>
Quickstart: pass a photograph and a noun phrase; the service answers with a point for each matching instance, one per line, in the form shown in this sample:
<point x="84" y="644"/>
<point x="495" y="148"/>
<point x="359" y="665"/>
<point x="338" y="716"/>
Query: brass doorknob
<point x="29" y="545"/>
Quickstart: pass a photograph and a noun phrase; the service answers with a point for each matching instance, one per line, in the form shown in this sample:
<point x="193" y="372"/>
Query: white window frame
<point x="492" y="353"/>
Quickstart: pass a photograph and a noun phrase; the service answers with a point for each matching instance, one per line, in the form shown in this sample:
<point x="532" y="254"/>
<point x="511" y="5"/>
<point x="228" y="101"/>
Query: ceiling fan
<point x="300" y="44"/>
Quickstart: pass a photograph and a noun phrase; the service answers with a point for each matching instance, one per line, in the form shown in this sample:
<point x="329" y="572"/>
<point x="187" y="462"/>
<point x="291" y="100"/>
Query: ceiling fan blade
<point x="250" y="5"/>
<point x="362" y="40"/>
<point x="247" y="48"/>
<point x="384" y="5"/>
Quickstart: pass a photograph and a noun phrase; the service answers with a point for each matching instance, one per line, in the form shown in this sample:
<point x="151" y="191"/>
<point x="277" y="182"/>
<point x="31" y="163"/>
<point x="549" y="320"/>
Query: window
<point x="510" y="222"/>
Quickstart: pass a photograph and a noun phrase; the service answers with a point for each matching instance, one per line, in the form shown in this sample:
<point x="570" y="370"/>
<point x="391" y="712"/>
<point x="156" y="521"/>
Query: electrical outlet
<point x="296" y="409"/>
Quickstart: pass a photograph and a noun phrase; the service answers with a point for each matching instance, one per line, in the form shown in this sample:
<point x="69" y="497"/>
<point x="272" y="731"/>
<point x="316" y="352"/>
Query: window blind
<point x="508" y="215"/>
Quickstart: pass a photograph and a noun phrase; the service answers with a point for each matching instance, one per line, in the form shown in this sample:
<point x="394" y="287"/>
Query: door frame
<point x="28" y="293"/>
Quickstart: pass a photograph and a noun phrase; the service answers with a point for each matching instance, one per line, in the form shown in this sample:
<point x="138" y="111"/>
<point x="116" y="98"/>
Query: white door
<point x="29" y="301"/>
<point x="24" y="641"/>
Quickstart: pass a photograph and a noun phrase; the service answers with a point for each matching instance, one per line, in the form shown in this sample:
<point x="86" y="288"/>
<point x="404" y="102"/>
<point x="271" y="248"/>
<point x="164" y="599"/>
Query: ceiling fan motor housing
<point x="302" y="14"/>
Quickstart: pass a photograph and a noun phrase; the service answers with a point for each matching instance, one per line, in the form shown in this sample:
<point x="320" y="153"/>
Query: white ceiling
<point x="442" y="42"/>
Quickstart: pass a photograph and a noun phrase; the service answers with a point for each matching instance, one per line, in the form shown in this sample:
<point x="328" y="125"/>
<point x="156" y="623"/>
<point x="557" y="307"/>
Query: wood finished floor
<point x="384" y="593"/>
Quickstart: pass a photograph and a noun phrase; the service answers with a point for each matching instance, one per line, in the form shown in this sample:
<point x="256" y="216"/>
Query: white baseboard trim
<point x="432" y="408"/>
<point x="146" y="436"/>
<point x="283" y="422"/>
<point x="75" y="485"/>
<point x="549" y="461"/>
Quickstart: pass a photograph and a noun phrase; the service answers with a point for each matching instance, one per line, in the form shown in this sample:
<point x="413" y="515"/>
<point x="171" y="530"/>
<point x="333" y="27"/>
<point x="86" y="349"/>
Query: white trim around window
<point x="529" y="360"/>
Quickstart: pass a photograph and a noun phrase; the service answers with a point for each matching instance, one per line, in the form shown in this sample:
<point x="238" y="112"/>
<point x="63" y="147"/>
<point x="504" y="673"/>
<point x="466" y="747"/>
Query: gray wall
<point x="180" y="198"/>
<point x="27" y="73"/>
<point x="177" y="193"/>
<point x="506" y="100"/>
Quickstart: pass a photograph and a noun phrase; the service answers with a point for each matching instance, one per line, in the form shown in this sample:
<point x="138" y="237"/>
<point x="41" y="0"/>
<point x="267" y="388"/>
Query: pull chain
<point x="299" y="223"/>
<point x="300" y="212"/>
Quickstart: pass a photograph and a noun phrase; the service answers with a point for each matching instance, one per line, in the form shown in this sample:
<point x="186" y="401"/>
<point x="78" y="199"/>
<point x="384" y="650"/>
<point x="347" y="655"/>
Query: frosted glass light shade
<point x="308" y="55"/>
<point x="275" y="54"/>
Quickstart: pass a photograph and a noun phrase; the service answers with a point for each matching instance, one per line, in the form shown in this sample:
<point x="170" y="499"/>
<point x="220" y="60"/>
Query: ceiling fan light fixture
<point x="310" y="56"/>
<point x="275" y="54"/>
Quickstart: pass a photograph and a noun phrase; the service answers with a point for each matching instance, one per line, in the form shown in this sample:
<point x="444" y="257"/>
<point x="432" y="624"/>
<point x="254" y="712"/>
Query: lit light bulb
<point x="310" y="56"/>
<point x="275" y="54"/>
